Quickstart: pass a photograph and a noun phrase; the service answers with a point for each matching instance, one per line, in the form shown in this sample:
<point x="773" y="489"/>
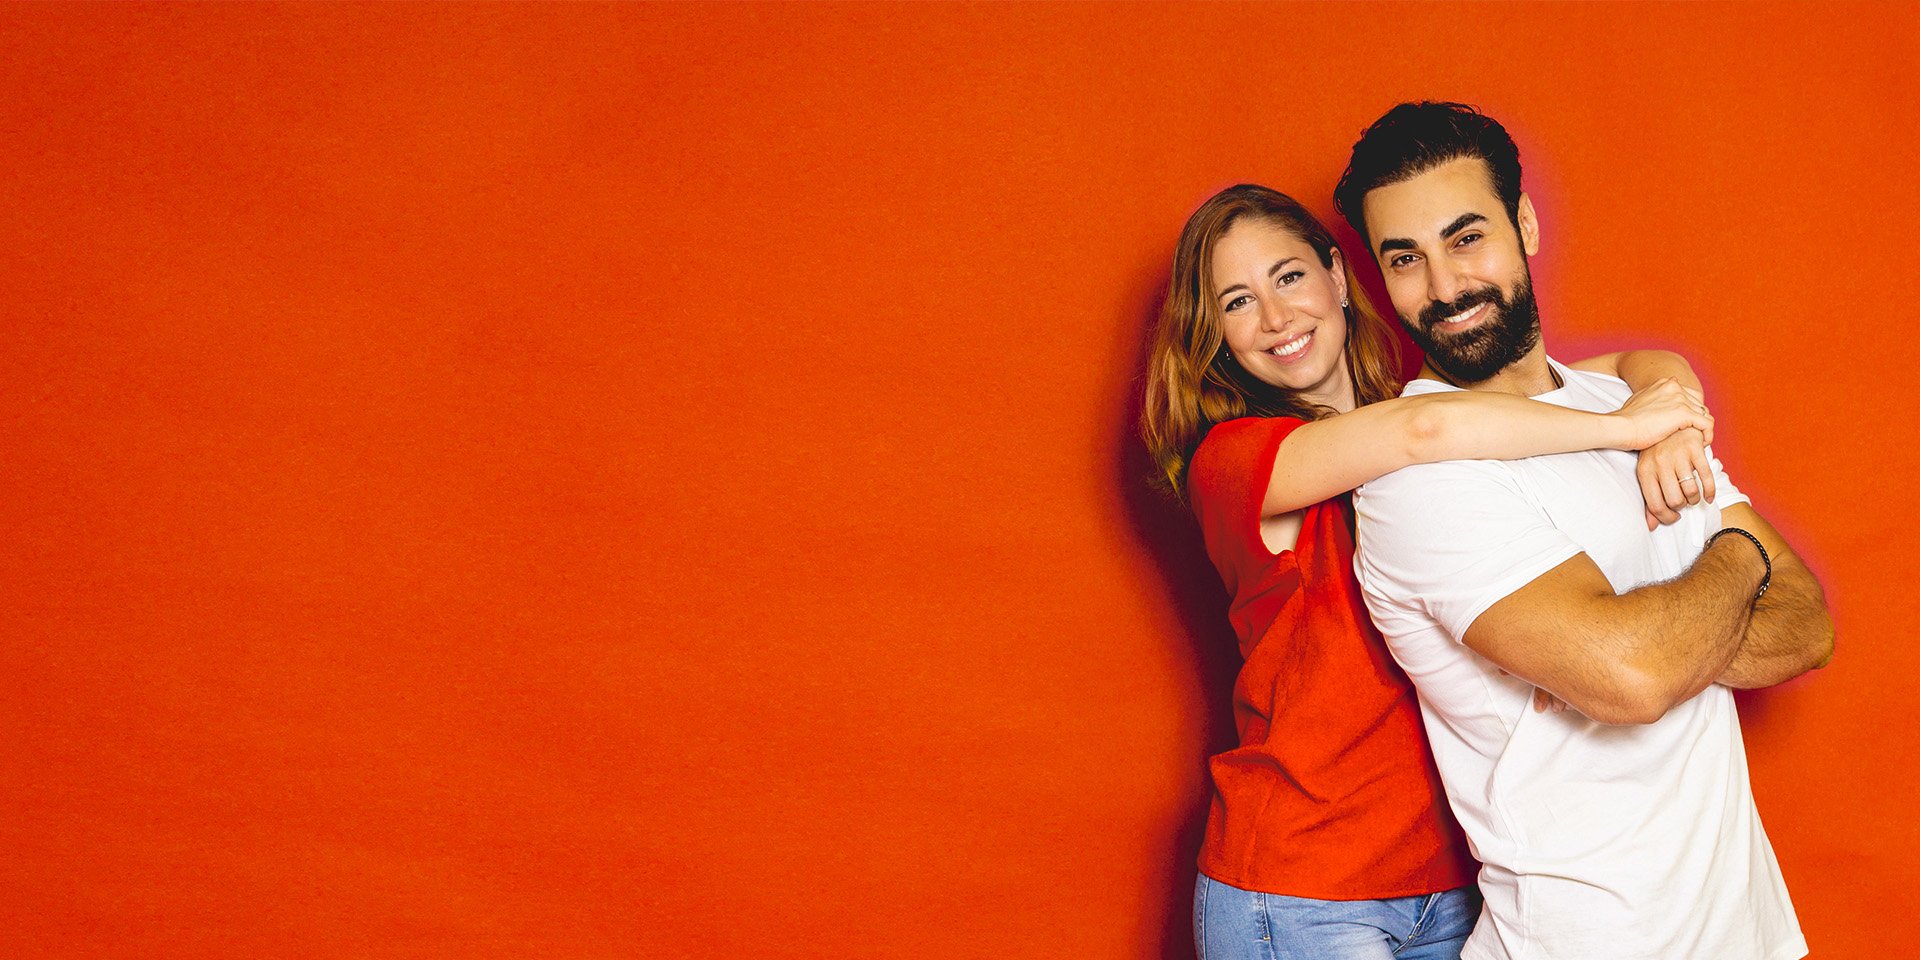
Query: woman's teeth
<point x="1293" y="346"/>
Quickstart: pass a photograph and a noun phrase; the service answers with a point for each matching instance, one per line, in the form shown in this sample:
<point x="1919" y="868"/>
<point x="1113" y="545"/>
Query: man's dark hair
<point x="1413" y="138"/>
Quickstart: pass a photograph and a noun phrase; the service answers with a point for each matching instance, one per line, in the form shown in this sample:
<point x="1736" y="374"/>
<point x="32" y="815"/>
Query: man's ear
<point x="1529" y="226"/>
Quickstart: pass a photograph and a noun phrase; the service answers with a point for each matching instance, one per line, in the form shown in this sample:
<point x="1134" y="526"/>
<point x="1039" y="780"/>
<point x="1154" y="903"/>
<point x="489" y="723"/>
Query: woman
<point x="1270" y="395"/>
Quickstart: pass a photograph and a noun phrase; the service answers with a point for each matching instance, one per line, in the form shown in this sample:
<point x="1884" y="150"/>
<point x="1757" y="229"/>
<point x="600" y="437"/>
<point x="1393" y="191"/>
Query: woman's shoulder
<point x="1233" y="454"/>
<point x="1228" y="436"/>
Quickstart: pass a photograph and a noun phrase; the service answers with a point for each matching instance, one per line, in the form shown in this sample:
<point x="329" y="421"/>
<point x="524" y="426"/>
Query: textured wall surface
<point x="656" y="481"/>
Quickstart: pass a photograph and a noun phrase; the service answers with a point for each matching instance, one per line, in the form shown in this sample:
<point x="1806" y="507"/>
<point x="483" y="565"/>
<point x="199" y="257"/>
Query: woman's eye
<point x="1291" y="277"/>
<point x="1236" y="303"/>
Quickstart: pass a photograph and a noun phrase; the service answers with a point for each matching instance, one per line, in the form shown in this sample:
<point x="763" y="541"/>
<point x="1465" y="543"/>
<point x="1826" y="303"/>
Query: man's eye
<point x="1401" y="260"/>
<point x="1291" y="277"/>
<point x="1469" y="238"/>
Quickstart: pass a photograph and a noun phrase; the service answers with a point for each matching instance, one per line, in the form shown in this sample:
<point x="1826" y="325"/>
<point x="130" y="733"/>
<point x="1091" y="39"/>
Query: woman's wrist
<point x="1619" y="432"/>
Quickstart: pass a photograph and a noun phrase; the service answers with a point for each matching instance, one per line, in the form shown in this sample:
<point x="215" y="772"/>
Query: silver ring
<point x="1694" y="478"/>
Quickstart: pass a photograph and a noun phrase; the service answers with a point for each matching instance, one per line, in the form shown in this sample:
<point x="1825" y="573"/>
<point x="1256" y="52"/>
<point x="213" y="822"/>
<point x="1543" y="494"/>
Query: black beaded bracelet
<point x="1765" y="581"/>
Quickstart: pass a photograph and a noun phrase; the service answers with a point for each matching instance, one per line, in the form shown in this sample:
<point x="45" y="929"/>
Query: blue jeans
<point x="1234" y="924"/>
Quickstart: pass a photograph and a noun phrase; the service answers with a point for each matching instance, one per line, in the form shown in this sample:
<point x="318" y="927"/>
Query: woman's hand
<point x="1674" y="473"/>
<point x="1671" y="428"/>
<point x="1656" y="413"/>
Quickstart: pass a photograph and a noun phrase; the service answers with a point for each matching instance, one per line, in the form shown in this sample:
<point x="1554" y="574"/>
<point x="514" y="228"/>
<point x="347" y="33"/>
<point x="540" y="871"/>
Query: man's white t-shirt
<point x="1598" y="842"/>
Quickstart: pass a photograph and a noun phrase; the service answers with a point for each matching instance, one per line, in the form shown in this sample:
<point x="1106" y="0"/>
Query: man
<point x="1623" y="827"/>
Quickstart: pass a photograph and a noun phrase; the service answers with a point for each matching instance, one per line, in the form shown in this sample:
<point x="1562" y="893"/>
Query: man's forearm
<point x="1623" y="657"/>
<point x="1789" y="632"/>
<point x="1642" y="368"/>
<point x="1681" y="635"/>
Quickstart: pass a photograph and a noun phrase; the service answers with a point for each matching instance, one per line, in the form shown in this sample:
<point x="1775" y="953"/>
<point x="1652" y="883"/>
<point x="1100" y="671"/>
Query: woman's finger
<point x="1671" y="498"/>
<point x="1648" y="473"/>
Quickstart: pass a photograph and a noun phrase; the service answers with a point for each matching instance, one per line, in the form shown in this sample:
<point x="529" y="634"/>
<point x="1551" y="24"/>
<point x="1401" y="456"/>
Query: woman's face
<point x="1281" y="311"/>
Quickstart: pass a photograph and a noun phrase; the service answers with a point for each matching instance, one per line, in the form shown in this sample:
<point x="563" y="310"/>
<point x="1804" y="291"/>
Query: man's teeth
<point x="1292" y="347"/>
<point x="1458" y="317"/>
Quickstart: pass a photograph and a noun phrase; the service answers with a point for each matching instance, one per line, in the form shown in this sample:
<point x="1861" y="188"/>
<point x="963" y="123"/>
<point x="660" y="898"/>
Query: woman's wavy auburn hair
<point x="1193" y="381"/>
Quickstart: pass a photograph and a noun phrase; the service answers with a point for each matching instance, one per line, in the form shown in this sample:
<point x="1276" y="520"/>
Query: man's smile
<point x="1461" y="320"/>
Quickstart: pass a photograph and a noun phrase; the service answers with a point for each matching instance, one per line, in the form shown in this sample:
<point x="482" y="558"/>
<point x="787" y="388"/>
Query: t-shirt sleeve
<point x="1227" y="485"/>
<point x="1439" y="543"/>
<point x="1725" y="494"/>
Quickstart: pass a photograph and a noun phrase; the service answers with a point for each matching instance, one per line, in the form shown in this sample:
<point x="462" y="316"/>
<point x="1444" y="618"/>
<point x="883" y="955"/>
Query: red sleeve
<point x="1227" y="483"/>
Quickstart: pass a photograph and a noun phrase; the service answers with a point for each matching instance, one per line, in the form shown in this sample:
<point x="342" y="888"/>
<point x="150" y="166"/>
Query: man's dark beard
<point x="1477" y="354"/>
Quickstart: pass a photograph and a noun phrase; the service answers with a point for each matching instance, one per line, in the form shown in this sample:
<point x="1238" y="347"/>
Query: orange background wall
<point x="656" y="481"/>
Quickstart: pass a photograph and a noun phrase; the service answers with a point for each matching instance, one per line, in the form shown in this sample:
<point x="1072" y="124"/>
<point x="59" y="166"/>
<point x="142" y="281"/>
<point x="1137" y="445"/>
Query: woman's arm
<point x="1642" y="368"/>
<point x="1674" y="472"/>
<point x="1328" y="457"/>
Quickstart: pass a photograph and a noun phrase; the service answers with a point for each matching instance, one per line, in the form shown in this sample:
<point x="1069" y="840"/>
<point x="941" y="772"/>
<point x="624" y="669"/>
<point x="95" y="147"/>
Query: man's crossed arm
<point x="1631" y="657"/>
<point x="1789" y="631"/>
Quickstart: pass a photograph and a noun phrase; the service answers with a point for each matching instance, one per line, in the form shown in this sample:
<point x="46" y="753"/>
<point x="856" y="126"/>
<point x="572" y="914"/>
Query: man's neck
<point x="1528" y="376"/>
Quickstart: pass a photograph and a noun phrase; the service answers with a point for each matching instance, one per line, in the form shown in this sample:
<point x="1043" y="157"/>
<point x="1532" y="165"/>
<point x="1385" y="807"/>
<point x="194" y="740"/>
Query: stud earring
<point x="1343" y="303"/>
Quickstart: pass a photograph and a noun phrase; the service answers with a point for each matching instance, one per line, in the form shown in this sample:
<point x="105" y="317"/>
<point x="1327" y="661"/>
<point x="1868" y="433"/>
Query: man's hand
<point x="1542" y="700"/>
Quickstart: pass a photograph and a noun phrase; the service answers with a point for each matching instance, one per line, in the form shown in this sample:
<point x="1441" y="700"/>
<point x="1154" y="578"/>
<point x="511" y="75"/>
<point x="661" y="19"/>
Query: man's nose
<point x="1444" y="283"/>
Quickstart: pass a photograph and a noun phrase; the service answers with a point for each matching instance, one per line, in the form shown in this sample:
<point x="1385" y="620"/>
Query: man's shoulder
<point x="1424" y="480"/>
<point x="1422" y="385"/>
<point x="1599" y="390"/>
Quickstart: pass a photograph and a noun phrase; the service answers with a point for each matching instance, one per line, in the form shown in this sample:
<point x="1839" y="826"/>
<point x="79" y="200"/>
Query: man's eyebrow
<point x="1461" y="223"/>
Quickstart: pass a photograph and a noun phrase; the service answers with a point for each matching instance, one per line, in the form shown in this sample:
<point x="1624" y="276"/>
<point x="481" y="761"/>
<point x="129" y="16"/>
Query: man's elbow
<point x="1806" y="612"/>
<point x="1625" y="711"/>
<point x="1810" y="623"/>
<point x="1820" y="648"/>
<point x="1630" y="697"/>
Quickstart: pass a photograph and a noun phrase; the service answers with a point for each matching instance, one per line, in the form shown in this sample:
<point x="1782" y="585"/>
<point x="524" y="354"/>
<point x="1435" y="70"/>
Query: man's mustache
<point x="1434" y="312"/>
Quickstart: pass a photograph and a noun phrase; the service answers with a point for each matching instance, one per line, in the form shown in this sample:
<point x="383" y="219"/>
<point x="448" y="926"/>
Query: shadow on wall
<point x="1165" y="532"/>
